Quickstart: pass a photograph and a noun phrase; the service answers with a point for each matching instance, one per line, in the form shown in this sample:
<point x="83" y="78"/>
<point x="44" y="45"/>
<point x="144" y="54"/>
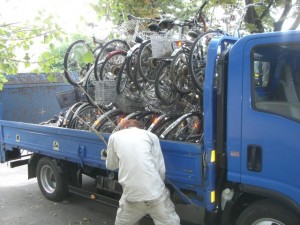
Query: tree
<point x="17" y="39"/>
<point x="258" y="19"/>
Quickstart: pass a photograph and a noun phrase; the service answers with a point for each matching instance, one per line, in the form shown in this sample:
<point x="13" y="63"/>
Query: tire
<point x="122" y="79"/>
<point x="184" y="127"/>
<point x="70" y="112"/>
<point x="77" y="61"/>
<point x="89" y="87"/>
<point x="131" y="63"/>
<point x="52" y="183"/>
<point x="115" y="44"/>
<point x="144" y="55"/>
<point x="198" y="55"/>
<point x="161" y="123"/>
<point x="182" y="79"/>
<point x="108" y="121"/>
<point x="84" y="117"/>
<point x="146" y="64"/>
<point x="164" y="88"/>
<point x="112" y="65"/>
<point x="267" y="212"/>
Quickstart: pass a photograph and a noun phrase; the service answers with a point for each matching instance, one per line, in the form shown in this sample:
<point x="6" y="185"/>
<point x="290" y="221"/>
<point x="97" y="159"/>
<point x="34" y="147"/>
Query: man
<point x="138" y="156"/>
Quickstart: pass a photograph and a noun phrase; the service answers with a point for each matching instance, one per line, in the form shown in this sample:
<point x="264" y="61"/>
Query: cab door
<point x="270" y="117"/>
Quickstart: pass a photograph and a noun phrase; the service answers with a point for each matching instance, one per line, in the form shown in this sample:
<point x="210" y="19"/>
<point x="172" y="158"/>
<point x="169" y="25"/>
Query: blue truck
<point x="246" y="169"/>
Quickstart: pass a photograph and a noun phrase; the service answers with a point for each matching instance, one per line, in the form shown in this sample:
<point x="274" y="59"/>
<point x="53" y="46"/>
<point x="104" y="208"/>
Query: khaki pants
<point x="161" y="210"/>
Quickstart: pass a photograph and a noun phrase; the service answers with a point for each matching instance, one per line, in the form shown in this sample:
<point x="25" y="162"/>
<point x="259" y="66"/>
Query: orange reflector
<point x="121" y="120"/>
<point x="155" y="120"/>
<point x="178" y="43"/>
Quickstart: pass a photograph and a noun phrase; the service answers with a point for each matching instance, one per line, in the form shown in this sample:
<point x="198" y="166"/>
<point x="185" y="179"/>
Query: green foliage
<point x="17" y="40"/>
<point x="259" y="19"/>
<point x="52" y="59"/>
<point x="118" y="9"/>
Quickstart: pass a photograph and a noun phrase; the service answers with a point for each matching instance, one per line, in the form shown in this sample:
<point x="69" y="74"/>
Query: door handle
<point x="254" y="158"/>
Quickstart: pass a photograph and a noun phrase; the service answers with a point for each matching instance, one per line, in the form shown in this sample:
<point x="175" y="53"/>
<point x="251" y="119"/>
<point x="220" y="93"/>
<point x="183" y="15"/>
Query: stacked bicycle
<point x="158" y="76"/>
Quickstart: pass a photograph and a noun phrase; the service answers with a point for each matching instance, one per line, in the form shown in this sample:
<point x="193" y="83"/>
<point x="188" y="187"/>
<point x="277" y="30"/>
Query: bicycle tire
<point x="84" y="117"/>
<point x="75" y="114"/>
<point x="115" y="44"/>
<point x="77" y="61"/>
<point x="160" y="124"/>
<point x="146" y="64"/>
<point x="181" y="76"/>
<point x="89" y="87"/>
<point x="122" y="79"/>
<point x="69" y="114"/>
<point x="164" y="88"/>
<point x="112" y="65"/>
<point x="131" y="63"/>
<point x="184" y="127"/>
<point x="108" y="121"/>
<point x="197" y="57"/>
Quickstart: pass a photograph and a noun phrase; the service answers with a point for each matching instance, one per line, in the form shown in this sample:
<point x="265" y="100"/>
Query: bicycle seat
<point x="154" y="27"/>
<point x="166" y="24"/>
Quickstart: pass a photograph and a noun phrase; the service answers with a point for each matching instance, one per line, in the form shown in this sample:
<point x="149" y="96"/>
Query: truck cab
<point x="253" y="92"/>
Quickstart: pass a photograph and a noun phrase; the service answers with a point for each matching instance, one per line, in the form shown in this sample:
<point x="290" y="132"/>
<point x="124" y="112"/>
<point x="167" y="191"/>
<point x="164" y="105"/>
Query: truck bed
<point x="183" y="160"/>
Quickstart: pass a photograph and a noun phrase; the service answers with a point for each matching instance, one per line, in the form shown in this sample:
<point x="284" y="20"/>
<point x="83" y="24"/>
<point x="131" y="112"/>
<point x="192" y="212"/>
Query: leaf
<point x="51" y="46"/>
<point x="88" y="57"/>
<point x="51" y="77"/>
<point x="27" y="64"/>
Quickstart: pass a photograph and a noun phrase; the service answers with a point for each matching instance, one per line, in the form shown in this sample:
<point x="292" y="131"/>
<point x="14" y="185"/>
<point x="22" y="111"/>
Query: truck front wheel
<point x="54" y="185"/>
<point x="266" y="212"/>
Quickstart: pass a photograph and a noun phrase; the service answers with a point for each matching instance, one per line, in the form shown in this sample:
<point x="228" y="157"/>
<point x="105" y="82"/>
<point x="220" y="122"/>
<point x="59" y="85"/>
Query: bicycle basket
<point x="161" y="45"/>
<point x="105" y="91"/>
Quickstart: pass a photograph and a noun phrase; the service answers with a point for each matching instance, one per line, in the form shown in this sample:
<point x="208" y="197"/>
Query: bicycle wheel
<point x="69" y="114"/>
<point x="160" y="124"/>
<point x="184" y="128"/>
<point x="146" y="64"/>
<point x="198" y="55"/>
<point x="77" y="61"/>
<point x="131" y="63"/>
<point x="164" y="88"/>
<point x="84" y="117"/>
<point x="89" y="87"/>
<point x="182" y="79"/>
<point x="122" y="79"/>
<point x="108" y="121"/>
<point x="115" y="44"/>
<point x="112" y="65"/>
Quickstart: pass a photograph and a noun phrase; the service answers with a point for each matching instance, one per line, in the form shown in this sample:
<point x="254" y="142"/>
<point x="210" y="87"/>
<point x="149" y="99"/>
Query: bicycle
<point x="198" y="53"/>
<point x="79" y="58"/>
<point x="158" y="65"/>
<point x="127" y="73"/>
<point x="132" y="28"/>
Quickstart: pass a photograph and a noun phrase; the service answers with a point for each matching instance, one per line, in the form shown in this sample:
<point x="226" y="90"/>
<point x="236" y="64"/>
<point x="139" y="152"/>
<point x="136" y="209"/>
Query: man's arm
<point x="112" y="160"/>
<point x="160" y="162"/>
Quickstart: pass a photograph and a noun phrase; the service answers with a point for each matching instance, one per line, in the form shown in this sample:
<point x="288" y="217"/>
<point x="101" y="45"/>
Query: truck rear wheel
<point x="54" y="185"/>
<point x="267" y="212"/>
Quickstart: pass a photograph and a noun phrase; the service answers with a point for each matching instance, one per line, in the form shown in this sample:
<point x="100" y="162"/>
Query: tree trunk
<point x="287" y="8"/>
